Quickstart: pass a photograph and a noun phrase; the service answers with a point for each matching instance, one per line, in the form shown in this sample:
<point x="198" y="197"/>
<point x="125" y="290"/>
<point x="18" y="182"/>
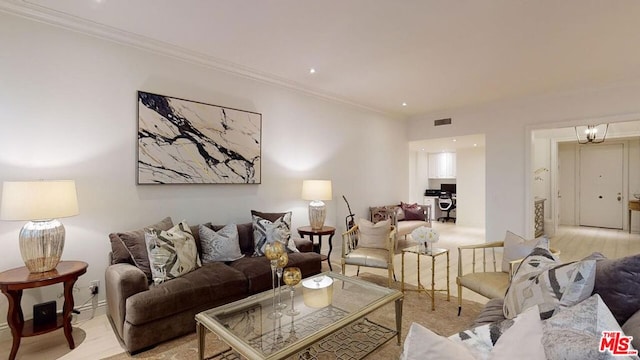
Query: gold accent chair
<point x="352" y="254"/>
<point x="484" y="276"/>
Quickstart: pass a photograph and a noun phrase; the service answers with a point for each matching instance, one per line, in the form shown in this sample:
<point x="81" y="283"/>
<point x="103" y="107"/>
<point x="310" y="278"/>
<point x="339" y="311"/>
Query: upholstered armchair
<point x="356" y="252"/>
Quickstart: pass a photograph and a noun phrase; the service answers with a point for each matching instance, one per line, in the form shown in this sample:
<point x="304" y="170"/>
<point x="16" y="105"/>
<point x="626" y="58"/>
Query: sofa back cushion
<point x="245" y="237"/>
<point x="617" y="284"/>
<point x="128" y="244"/>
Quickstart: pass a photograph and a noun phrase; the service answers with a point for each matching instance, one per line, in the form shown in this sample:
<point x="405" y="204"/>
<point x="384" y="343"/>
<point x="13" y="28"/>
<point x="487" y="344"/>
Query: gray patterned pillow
<point x="575" y="332"/>
<point x="482" y="339"/>
<point x="221" y="245"/>
<point x="172" y="253"/>
<point x="541" y="280"/>
<point x="265" y="231"/>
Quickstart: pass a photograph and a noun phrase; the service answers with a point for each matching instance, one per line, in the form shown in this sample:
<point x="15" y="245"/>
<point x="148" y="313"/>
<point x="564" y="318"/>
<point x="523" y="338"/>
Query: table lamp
<point x="41" y="203"/>
<point x="316" y="191"/>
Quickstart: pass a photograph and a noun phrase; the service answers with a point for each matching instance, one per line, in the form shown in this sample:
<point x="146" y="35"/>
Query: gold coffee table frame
<point x="379" y="296"/>
<point x="433" y="254"/>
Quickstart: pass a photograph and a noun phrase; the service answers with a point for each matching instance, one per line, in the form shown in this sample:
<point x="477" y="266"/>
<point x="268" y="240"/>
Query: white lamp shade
<point x="38" y="200"/>
<point x="316" y="190"/>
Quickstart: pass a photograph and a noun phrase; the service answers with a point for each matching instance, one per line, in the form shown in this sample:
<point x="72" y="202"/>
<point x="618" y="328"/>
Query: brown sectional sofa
<point x="144" y="314"/>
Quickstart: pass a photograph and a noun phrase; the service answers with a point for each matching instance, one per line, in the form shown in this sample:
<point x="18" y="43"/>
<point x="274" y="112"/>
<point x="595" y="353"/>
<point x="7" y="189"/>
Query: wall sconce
<point x="591" y="134"/>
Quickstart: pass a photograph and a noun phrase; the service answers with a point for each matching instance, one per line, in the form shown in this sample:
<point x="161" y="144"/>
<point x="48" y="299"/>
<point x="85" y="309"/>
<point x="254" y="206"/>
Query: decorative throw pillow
<point x="172" y="253"/>
<point x="412" y="211"/>
<point x="575" y="332"/>
<point x="221" y="245"/>
<point x="266" y="231"/>
<point x="515" y="248"/>
<point x="481" y="339"/>
<point x="422" y="343"/>
<point x="373" y="235"/>
<point x="523" y="340"/>
<point x="130" y="246"/>
<point x="617" y="284"/>
<point x="541" y="280"/>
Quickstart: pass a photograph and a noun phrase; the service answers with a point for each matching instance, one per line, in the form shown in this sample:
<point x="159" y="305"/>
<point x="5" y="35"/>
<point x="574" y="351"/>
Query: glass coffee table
<point x="250" y="329"/>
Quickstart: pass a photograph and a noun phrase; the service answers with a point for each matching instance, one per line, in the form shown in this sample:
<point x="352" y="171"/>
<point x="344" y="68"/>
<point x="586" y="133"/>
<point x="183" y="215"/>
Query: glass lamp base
<point x="317" y="214"/>
<point x="41" y="244"/>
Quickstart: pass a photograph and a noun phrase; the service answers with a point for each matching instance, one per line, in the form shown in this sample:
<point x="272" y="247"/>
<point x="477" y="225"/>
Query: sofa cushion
<point x="374" y="235"/>
<point x="617" y="284"/>
<point x="136" y="246"/>
<point x="575" y="332"/>
<point x="245" y="237"/>
<point x="206" y="285"/>
<point x="541" y="280"/>
<point x="120" y="252"/>
<point x="257" y="270"/>
<point x="267" y="231"/>
<point x="221" y="245"/>
<point x="172" y="253"/>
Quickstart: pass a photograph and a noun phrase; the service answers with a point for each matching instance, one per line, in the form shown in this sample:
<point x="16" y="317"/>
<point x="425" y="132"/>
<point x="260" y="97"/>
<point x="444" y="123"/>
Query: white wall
<point x="419" y="176"/>
<point x="68" y="110"/>
<point x="507" y="126"/>
<point x="542" y="180"/>
<point x="470" y="187"/>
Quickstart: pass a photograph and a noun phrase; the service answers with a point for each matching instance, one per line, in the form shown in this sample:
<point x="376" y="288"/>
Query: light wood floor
<point x="95" y="338"/>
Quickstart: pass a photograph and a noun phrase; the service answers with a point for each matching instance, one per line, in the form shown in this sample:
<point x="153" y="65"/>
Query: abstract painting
<point x="188" y="142"/>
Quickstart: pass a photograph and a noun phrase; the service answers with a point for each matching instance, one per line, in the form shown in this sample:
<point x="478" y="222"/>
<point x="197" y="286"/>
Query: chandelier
<point x="591" y="134"/>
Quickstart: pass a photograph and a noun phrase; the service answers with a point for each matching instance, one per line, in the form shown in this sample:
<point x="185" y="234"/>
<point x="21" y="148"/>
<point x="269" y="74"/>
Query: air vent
<point x="442" y="122"/>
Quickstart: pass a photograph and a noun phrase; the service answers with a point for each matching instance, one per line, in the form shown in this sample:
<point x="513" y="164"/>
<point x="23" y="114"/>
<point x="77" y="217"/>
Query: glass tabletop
<point x="418" y="249"/>
<point x="326" y="303"/>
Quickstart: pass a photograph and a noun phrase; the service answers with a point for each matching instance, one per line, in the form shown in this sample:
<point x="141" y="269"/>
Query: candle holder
<point x="273" y="251"/>
<point x="292" y="276"/>
<point x="282" y="262"/>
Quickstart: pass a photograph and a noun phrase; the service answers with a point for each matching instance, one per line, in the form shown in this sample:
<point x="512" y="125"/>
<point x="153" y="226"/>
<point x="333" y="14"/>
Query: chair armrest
<point x="349" y="240"/>
<point x="482" y="246"/>
<point x="391" y="244"/>
<point x="121" y="282"/>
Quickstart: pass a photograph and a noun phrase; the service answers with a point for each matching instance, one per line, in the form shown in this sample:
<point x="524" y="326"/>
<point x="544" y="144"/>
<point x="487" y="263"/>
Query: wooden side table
<point x="13" y="281"/>
<point x="326" y="230"/>
<point x="634" y="205"/>
<point x="433" y="254"/>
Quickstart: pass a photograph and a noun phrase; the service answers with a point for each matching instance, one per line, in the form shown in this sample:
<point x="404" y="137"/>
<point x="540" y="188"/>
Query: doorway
<point x="601" y="184"/>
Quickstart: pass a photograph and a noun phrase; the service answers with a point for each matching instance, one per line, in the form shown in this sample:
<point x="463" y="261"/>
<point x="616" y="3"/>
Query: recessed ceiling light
<point x="404" y="104"/>
<point x="474" y="145"/>
<point x="454" y="140"/>
<point x="422" y="149"/>
<point x="312" y="71"/>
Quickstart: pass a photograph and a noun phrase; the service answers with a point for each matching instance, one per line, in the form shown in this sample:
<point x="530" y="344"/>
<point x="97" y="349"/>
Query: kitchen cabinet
<point x="442" y="165"/>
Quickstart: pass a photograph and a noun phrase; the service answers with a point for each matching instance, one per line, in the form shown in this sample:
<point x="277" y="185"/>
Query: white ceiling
<point x="432" y="54"/>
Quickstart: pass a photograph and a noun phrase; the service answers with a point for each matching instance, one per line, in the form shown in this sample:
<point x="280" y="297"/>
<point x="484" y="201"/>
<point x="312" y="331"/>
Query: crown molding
<point x="49" y="16"/>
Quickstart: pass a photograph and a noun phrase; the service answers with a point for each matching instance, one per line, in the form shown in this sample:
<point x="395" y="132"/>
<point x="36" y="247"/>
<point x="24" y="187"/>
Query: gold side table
<point x="433" y="253"/>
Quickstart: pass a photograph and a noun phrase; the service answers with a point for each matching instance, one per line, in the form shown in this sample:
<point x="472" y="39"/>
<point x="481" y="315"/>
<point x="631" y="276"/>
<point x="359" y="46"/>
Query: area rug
<point x="416" y="308"/>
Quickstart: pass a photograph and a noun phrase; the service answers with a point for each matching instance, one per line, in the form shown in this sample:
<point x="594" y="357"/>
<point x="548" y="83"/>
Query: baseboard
<point x="86" y="313"/>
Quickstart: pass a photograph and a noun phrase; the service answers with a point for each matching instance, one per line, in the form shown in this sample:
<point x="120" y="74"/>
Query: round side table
<point x="326" y="230"/>
<point x="13" y="281"/>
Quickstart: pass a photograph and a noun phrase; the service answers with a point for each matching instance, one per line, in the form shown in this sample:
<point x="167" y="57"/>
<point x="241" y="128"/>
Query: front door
<point x="601" y="168"/>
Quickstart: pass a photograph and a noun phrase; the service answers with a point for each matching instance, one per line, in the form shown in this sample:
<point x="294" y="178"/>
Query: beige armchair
<point x="483" y="276"/>
<point x="352" y="254"/>
<point x="488" y="281"/>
